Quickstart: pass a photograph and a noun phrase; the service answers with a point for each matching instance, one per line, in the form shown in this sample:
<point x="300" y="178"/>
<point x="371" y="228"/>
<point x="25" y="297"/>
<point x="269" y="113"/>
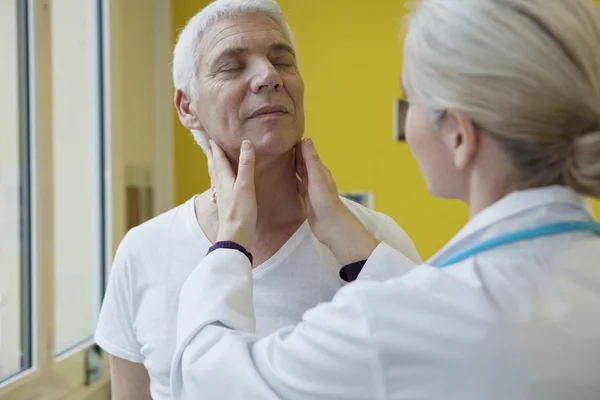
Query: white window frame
<point x="63" y="377"/>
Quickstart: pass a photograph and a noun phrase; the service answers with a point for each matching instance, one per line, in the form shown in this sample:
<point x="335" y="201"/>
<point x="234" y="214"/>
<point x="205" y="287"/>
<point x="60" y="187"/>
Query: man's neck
<point x="276" y="192"/>
<point x="279" y="204"/>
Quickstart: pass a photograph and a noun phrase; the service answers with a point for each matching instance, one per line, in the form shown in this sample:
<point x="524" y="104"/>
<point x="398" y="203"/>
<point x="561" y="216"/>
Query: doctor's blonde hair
<point x="527" y="72"/>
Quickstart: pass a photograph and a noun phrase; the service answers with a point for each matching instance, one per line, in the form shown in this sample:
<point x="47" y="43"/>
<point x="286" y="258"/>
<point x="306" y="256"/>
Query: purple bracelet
<point x="232" y="246"/>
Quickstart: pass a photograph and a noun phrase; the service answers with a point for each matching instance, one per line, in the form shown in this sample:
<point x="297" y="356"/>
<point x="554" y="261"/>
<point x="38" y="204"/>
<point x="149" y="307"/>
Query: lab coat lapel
<point x="518" y="202"/>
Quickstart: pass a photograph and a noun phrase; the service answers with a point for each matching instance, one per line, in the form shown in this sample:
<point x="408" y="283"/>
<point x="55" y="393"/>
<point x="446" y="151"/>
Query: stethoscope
<point x="520" y="236"/>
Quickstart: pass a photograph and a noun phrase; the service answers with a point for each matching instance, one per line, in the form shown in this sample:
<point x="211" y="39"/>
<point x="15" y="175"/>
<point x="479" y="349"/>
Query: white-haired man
<point x="236" y="78"/>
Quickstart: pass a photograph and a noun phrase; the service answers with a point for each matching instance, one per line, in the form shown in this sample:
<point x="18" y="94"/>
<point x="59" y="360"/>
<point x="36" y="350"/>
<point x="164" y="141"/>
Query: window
<point x="64" y="182"/>
<point x="52" y="257"/>
<point x="15" y="282"/>
<point x="77" y="171"/>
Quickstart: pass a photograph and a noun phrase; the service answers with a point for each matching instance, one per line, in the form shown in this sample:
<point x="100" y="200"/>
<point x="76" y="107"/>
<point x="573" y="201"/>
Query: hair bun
<point x="582" y="171"/>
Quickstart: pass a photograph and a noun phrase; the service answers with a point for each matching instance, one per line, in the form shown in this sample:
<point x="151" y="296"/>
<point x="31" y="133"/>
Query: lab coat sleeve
<point x="392" y="234"/>
<point x="385" y="263"/>
<point x="327" y="356"/>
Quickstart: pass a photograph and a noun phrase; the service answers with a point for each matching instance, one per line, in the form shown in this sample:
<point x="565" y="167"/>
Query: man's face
<point x="249" y="86"/>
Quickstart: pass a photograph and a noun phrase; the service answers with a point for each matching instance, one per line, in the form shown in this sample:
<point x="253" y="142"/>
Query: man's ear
<point x="461" y="138"/>
<point x="188" y="118"/>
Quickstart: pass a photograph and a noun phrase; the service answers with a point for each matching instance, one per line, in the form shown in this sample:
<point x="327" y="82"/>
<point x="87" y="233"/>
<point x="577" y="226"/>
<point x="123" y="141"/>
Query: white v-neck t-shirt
<point x="139" y="314"/>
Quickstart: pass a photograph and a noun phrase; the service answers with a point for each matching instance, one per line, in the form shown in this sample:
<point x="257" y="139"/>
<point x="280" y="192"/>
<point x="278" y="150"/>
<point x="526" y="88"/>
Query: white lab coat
<point x="518" y="322"/>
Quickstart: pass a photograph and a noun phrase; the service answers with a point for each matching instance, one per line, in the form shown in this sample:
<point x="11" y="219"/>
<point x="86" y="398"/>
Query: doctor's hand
<point x="235" y="195"/>
<point x="329" y="218"/>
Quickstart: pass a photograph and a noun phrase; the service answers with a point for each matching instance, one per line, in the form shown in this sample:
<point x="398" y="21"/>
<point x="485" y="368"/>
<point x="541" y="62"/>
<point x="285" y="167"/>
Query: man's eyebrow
<point x="227" y="54"/>
<point x="237" y="51"/>
<point x="282" y="47"/>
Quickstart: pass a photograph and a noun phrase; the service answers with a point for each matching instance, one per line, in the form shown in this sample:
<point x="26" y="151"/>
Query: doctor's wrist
<point x="226" y="244"/>
<point x="352" y="243"/>
<point x="354" y="251"/>
<point x="231" y="232"/>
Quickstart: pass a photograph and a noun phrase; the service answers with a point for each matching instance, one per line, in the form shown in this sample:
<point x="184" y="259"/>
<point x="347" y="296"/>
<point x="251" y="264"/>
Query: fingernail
<point x="246" y="145"/>
<point x="309" y="142"/>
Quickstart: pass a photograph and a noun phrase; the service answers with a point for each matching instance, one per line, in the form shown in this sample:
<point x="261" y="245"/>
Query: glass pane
<point x="77" y="171"/>
<point x="14" y="183"/>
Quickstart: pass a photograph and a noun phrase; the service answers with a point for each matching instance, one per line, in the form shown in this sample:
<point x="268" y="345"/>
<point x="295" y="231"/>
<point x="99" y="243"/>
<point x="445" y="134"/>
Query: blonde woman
<point x="504" y="115"/>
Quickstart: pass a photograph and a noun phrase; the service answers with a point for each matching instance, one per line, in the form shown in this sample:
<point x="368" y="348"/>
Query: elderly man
<point x="236" y="78"/>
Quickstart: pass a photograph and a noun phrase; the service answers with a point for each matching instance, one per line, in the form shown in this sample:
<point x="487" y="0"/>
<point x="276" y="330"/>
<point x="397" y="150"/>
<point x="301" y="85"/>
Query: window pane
<point x="77" y="171"/>
<point x="14" y="230"/>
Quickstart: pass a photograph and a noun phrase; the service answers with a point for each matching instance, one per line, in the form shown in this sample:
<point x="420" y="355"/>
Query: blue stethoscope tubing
<point x="520" y="236"/>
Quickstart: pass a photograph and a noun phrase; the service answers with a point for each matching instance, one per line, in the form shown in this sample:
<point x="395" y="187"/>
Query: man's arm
<point x="116" y="335"/>
<point x="129" y="380"/>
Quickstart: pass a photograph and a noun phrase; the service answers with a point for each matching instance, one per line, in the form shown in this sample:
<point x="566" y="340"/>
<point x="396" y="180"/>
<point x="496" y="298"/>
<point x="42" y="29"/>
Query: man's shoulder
<point x="159" y="229"/>
<point x="371" y="219"/>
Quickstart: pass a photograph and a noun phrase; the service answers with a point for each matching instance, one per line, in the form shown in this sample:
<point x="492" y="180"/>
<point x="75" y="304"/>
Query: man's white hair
<point x="186" y="55"/>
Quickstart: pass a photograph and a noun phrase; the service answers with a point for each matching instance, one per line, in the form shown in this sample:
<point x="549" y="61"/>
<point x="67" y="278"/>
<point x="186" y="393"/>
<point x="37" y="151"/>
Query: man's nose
<point x="267" y="78"/>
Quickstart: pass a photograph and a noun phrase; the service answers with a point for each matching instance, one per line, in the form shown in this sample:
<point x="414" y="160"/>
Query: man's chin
<point x="274" y="144"/>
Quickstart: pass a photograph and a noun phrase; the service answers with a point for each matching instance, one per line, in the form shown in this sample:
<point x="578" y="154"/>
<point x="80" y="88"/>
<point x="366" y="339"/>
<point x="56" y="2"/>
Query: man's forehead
<point x="243" y="33"/>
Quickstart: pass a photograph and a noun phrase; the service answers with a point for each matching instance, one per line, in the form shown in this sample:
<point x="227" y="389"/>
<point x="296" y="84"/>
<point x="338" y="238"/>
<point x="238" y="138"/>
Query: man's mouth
<point x="271" y="110"/>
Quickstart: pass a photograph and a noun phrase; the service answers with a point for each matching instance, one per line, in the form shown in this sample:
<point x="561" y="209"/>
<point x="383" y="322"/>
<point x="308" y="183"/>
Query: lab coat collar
<point x="517" y="202"/>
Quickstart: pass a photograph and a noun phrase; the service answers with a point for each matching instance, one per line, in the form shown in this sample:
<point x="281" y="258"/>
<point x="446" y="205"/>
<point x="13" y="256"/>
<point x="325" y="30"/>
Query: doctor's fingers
<point x="208" y="151"/>
<point x="299" y="161"/>
<point x="220" y="169"/>
<point x="318" y="175"/>
<point x="245" y="176"/>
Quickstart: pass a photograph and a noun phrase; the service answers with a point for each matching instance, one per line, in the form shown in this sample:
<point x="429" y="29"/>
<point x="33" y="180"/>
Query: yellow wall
<point x="351" y="61"/>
